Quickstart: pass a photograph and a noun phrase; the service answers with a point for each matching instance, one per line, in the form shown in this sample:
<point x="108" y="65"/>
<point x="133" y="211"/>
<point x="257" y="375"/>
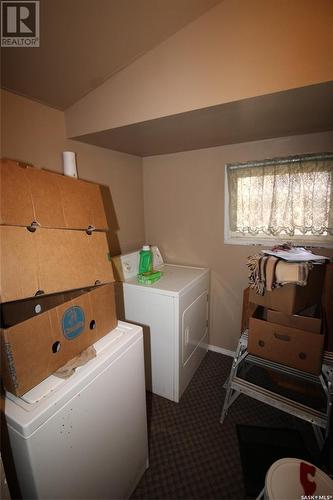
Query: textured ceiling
<point x="84" y="42"/>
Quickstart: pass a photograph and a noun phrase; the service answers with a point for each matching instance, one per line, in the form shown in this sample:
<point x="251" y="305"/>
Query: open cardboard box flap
<point x="300" y="321"/>
<point x="51" y="260"/>
<point x="17" y="311"/>
<point x="52" y="200"/>
<point x="37" y="347"/>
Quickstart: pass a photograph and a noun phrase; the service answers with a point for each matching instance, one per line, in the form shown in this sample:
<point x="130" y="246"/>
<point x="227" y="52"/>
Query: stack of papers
<point x="296" y="255"/>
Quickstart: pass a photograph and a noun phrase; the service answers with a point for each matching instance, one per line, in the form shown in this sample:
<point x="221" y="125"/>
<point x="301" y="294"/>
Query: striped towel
<point x="267" y="272"/>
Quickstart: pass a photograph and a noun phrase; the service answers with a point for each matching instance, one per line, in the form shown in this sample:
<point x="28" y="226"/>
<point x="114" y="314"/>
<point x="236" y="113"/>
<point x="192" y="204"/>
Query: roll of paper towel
<point x="69" y="162"/>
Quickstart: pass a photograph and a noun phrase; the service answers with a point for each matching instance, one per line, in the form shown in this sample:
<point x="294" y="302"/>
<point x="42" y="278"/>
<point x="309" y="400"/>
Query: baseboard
<point x="221" y="350"/>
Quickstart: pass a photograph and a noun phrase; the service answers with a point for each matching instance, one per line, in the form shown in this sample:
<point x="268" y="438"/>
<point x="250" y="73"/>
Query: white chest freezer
<point x="174" y="314"/>
<point x="84" y="437"/>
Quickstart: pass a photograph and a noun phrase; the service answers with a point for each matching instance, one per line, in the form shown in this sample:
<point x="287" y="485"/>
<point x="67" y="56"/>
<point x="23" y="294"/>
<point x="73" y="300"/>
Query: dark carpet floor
<point x="193" y="456"/>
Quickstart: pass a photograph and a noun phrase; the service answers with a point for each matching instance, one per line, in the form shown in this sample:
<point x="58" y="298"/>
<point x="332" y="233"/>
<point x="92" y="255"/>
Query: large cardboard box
<point x="248" y="309"/>
<point x="51" y="260"/>
<point x="289" y="346"/>
<point x="327" y="307"/>
<point x="52" y="200"/>
<point x="290" y="298"/>
<point x="35" y="348"/>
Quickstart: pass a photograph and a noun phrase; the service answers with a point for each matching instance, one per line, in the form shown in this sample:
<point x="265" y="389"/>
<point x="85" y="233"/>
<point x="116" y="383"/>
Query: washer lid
<point x="25" y="414"/>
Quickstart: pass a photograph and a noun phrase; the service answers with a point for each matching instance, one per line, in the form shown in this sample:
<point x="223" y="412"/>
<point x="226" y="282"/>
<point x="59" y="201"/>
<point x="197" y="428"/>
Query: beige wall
<point x="183" y="197"/>
<point x="238" y="49"/>
<point x="184" y="214"/>
<point x="35" y="133"/>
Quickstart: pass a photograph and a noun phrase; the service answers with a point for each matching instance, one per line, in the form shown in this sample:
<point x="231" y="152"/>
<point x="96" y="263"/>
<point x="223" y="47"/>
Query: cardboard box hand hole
<point x="38" y="308"/>
<point x="33" y="226"/>
<point x="285" y="338"/>
<point x="56" y="346"/>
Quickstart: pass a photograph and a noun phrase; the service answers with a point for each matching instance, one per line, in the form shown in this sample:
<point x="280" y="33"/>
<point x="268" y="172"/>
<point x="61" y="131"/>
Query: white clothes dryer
<point x="174" y="314"/>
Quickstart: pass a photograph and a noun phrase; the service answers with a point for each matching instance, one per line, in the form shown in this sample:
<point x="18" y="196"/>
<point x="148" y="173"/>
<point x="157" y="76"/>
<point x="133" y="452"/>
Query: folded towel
<point x="268" y="272"/>
<point x="292" y="272"/>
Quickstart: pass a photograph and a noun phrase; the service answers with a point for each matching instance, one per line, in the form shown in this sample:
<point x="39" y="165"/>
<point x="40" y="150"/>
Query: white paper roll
<point x="69" y="162"/>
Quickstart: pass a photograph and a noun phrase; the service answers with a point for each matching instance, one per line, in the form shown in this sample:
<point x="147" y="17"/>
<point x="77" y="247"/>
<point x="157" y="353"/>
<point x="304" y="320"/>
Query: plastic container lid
<point x="283" y="481"/>
<point x="146" y="247"/>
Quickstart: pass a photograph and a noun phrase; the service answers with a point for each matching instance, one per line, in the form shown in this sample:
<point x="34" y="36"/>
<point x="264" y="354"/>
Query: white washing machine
<point x="174" y="314"/>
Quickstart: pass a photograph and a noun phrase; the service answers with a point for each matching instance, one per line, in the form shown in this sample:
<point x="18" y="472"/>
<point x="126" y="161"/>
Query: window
<point x="289" y="199"/>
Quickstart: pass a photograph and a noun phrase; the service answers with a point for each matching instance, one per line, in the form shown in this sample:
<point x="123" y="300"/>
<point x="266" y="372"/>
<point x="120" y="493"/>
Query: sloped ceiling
<point x="84" y="42"/>
<point x="150" y="77"/>
<point x="228" y="77"/>
<point x="297" y="111"/>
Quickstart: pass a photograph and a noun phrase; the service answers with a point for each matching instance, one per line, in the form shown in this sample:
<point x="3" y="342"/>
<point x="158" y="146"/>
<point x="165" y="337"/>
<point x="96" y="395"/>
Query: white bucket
<point x="283" y="482"/>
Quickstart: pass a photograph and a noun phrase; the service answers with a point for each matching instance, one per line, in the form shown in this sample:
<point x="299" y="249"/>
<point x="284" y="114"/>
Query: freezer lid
<point x="26" y="413"/>
<point x="174" y="281"/>
<point x="53" y="382"/>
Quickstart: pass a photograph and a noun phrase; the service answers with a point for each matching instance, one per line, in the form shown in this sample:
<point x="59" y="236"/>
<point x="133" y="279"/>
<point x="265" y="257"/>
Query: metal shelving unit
<point x="237" y="385"/>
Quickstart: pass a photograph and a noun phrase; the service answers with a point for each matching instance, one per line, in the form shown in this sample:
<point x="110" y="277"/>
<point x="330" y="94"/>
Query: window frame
<point x="269" y="241"/>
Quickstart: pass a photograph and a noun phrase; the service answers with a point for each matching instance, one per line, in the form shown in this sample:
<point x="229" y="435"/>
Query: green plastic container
<point x="146" y="260"/>
<point x="150" y="278"/>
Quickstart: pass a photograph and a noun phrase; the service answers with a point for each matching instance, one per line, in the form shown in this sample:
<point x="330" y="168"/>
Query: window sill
<point x="268" y="243"/>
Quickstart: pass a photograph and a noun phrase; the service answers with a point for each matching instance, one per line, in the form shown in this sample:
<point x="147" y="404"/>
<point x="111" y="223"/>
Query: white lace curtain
<point x="286" y="198"/>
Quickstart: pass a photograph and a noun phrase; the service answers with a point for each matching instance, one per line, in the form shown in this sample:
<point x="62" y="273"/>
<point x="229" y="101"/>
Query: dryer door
<point x="194" y="325"/>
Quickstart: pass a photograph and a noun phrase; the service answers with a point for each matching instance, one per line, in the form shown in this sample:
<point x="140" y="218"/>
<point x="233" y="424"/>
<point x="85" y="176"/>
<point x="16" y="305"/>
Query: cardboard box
<point x="306" y="323"/>
<point x="53" y="200"/>
<point x="293" y="347"/>
<point x="290" y="298"/>
<point x="51" y="260"/>
<point x="327" y="307"/>
<point x="248" y="309"/>
<point x="37" y="347"/>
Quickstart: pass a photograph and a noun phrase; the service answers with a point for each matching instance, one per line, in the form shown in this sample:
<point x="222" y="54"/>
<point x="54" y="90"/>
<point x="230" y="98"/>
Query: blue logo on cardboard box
<point x="73" y="322"/>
